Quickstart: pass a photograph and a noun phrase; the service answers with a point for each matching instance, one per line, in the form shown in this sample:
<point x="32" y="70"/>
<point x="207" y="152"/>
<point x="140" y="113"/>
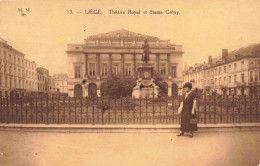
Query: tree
<point x="163" y="89"/>
<point x="119" y="86"/>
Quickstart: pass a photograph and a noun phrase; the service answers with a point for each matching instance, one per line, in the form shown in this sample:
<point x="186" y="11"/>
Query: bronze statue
<point x="145" y="56"/>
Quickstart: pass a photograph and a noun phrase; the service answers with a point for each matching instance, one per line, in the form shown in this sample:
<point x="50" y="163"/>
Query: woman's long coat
<point x="186" y="113"/>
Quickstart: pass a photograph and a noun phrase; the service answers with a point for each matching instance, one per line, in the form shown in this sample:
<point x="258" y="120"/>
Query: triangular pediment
<point x="121" y="33"/>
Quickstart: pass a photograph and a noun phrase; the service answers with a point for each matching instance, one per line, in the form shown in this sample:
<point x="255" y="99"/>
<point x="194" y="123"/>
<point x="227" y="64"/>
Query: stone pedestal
<point x="146" y="86"/>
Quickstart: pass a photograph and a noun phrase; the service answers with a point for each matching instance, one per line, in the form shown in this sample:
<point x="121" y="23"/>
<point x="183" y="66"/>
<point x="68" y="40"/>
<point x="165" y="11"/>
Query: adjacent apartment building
<point x="233" y="73"/>
<point x="60" y="82"/>
<point x="17" y="74"/>
<point x="120" y="52"/>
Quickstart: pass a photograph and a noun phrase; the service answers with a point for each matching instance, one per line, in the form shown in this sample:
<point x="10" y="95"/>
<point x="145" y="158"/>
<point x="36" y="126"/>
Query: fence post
<point x="140" y="111"/>
<point x="233" y="108"/>
<point x="153" y="109"/>
<point x="1" y="103"/>
<point x="7" y="110"/>
<point x="134" y="110"/>
<point x="227" y="113"/>
<point x="160" y="111"/>
<point x="11" y="107"/>
<point x="179" y="100"/>
<point x="102" y="110"/>
<point x="205" y="108"/>
<point x="198" y="106"/>
<point x="58" y="102"/>
<point x="16" y="110"/>
<point x="26" y="111"/>
<point x="166" y="109"/>
<point x="69" y="111"/>
<point x="53" y="109"/>
<point x="36" y="109"/>
<point x="146" y="113"/>
<point x="87" y="109"/>
<point x="75" y="114"/>
<point x="93" y="111"/>
<point x="256" y="102"/>
<point x="221" y="106"/>
<point x="245" y="107"/>
<point x="109" y="106"/>
<point x="250" y="108"/>
<point x="64" y="110"/>
<point x="21" y="114"/>
<point x="239" y="108"/>
<point x="31" y="103"/>
<point x="47" y="106"/>
<point x="81" y="110"/>
<point x="42" y="109"/>
<point x="127" y="109"/>
<point x="172" y="108"/>
<point x="121" y="104"/>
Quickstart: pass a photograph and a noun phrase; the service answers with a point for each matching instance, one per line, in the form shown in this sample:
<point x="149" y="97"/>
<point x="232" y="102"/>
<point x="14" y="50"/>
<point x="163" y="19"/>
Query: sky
<point x="203" y="27"/>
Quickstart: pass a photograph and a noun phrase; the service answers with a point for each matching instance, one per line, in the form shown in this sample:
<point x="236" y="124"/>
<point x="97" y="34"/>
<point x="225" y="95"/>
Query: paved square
<point x="128" y="149"/>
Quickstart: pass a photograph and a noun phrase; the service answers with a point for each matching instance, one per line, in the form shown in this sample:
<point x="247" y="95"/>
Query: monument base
<point x="146" y="92"/>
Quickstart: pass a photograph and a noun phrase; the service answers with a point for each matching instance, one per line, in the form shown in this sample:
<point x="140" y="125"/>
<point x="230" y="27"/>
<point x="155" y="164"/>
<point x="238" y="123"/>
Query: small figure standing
<point x="146" y="52"/>
<point x="187" y="110"/>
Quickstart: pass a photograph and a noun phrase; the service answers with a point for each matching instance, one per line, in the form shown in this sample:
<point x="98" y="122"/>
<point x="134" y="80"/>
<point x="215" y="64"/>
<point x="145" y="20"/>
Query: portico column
<point x="169" y="73"/>
<point x="122" y="63"/>
<point x="158" y="63"/>
<point x="86" y="65"/>
<point x="134" y="65"/>
<point x="98" y="64"/>
<point x="110" y="64"/>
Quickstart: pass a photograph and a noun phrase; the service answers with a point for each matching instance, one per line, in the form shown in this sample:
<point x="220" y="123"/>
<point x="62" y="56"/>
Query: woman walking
<point x="187" y="110"/>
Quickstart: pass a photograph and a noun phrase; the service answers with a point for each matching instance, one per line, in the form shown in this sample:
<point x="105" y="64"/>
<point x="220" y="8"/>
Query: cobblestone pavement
<point x="129" y="149"/>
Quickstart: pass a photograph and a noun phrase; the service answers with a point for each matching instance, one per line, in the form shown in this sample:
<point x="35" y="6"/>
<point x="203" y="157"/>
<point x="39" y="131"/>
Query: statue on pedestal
<point x="146" y="52"/>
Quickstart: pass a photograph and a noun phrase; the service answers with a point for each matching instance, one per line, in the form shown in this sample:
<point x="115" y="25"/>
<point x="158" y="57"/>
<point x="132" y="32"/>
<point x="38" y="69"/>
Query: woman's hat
<point x="188" y="85"/>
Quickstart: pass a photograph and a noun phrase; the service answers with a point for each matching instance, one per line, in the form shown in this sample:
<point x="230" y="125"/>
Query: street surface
<point x="129" y="149"/>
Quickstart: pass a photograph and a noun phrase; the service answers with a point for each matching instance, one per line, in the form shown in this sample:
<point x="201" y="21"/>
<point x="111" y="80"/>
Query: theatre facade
<point x="120" y="52"/>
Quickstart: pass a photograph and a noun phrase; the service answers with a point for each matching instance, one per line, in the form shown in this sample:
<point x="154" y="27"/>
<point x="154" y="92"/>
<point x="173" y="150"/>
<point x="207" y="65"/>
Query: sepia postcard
<point x="120" y="82"/>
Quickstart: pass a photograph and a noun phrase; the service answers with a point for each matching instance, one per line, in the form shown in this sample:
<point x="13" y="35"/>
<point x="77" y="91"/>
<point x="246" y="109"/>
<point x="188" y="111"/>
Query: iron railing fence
<point x="125" y="110"/>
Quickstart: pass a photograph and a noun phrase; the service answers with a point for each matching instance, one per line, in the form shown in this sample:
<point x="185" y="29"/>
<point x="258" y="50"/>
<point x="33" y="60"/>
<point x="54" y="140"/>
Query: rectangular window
<point x="216" y="81"/>
<point x="5" y="68"/>
<point x="229" y="67"/>
<point x="104" y="69"/>
<point x="242" y="64"/>
<point x="235" y="78"/>
<point x="251" y="76"/>
<point x="11" y="82"/>
<point x="219" y="80"/>
<point x="174" y="71"/>
<point x="242" y="77"/>
<point x="216" y="71"/>
<point x="116" y="68"/>
<point x="235" y="66"/>
<point x="256" y="75"/>
<point x="5" y="81"/>
<point x="229" y="79"/>
<point x="163" y="69"/>
<point x="225" y="69"/>
<point x="77" y="71"/>
<point x="219" y="70"/>
<point x="92" y="69"/>
<point x="128" y="68"/>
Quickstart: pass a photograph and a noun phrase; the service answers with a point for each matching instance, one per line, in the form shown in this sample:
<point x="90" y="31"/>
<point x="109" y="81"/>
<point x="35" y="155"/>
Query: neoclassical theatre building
<point x="120" y="52"/>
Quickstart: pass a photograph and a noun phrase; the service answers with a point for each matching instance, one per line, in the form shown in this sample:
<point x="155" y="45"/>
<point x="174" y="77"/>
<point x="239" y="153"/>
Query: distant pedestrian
<point x="187" y="110"/>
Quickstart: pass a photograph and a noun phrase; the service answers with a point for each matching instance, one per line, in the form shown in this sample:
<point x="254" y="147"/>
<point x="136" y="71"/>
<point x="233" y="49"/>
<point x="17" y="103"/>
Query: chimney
<point x="210" y="60"/>
<point x="224" y="54"/>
